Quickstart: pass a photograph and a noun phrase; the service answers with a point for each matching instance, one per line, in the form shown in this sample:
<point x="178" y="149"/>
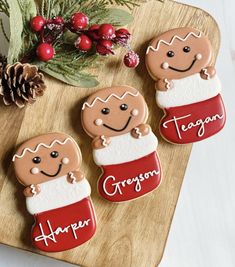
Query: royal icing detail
<point x="33" y="189"/>
<point x="188" y="89"/>
<point x="137" y="131"/>
<point x="65" y="161"/>
<point x="60" y="231"/>
<point x="136" y="181"/>
<point x="129" y="163"/>
<point x="34" y="170"/>
<point x="155" y="49"/>
<point x="206" y="73"/>
<point x="38" y="146"/>
<point x="72" y="177"/>
<point x="168" y="84"/>
<point x="63" y="213"/>
<point x="104" y="141"/>
<point x="200" y="124"/>
<point x="86" y="104"/>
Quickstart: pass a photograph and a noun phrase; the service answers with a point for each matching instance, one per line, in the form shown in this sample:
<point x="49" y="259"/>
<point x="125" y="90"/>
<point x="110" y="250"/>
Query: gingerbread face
<point x="178" y="53"/>
<point x="113" y="111"/>
<point x="46" y="157"/>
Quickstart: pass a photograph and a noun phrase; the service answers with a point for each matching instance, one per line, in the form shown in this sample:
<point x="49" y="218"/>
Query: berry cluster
<point x="101" y="37"/>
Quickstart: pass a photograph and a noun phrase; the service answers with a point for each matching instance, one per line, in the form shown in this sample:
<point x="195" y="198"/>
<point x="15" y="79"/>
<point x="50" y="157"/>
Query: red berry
<point x="58" y="20"/>
<point x="45" y="52"/>
<point x="94" y="27"/>
<point x="104" y="47"/>
<point x="79" y="21"/>
<point x="93" y="32"/>
<point x="122" y="33"/>
<point x="48" y="39"/>
<point x="37" y="23"/>
<point x="131" y="59"/>
<point x="83" y="43"/>
<point x="107" y="31"/>
<point x="50" y="21"/>
<point x="123" y="37"/>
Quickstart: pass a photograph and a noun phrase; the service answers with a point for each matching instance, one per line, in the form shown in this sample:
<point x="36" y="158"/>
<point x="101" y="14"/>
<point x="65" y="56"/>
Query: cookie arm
<point x="75" y="176"/>
<point x="164" y="85"/>
<point x="31" y="190"/>
<point x="100" y="142"/>
<point x="208" y="73"/>
<point x="141" y="130"/>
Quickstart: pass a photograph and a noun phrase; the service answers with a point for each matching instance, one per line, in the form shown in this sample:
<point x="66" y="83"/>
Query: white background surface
<point x="203" y="229"/>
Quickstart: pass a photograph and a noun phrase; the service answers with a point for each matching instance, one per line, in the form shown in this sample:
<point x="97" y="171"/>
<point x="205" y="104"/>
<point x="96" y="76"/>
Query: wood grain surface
<point x="128" y="234"/>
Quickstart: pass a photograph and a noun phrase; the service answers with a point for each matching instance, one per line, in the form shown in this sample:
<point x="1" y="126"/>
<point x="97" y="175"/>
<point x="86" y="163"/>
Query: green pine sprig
<point x="68" y="65"/>
<point x="130" y="4"/>
<point x="4" y="7"/>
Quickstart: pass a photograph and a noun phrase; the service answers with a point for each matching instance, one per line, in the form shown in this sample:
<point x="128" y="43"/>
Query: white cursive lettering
<point x="199" y="123"/>
<point x="117" y="187"/>
<point x="59" y="230"/>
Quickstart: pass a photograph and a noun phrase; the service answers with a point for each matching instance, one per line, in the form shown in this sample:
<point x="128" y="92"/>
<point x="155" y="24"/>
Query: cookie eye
<point x="186" y="49"/>
<point x="124" y="107"/>
<point x="54" y="154"/>
<point x="170" y="53"/>
<point x="37" y="160"/>
<point x="105" y="111"/>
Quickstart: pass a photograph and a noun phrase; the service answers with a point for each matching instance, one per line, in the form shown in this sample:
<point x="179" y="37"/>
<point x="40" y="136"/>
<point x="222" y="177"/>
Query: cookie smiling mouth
<point x="53" y="175"/>
<point x="118" y="130"/>
<point x="189" y="68"/>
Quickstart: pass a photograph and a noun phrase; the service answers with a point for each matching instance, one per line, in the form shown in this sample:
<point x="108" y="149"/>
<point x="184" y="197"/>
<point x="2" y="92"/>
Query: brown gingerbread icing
<point x="46" y="157"/>
<point x="113" y="111"/>
<point x="178" y="53"/>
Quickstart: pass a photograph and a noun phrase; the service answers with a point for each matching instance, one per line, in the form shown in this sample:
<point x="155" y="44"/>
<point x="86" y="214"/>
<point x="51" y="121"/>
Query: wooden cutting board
<point x="129" y="234"/>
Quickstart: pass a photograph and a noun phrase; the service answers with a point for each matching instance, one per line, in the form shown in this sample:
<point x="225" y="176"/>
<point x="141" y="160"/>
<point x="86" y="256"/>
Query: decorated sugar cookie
<point x="123" y="145"/>
<point x="57" y="193"/>
<point x="188" y="89"/>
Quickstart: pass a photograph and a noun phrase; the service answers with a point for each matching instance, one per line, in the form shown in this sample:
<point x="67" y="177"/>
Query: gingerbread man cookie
<point x="123" y="145"/>
<point x="188" y="89"/>
<point x="57" y="193"/>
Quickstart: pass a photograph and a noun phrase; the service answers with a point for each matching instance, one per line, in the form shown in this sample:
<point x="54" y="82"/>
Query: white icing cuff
<point x="57" y="193"/>
<point x="125" y="148"/>
<point x="189" y="90"/>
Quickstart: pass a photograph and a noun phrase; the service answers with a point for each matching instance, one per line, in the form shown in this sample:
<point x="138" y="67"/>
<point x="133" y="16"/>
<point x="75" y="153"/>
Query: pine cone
<point x="21" y="84"/>
<point x="3" y="61"/>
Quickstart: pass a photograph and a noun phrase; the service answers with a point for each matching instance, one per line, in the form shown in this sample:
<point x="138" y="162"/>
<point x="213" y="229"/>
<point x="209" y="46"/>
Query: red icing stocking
<point x="194" y="122"/>
<point x="64" y="228"/>
<point x="130" y="180"/>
